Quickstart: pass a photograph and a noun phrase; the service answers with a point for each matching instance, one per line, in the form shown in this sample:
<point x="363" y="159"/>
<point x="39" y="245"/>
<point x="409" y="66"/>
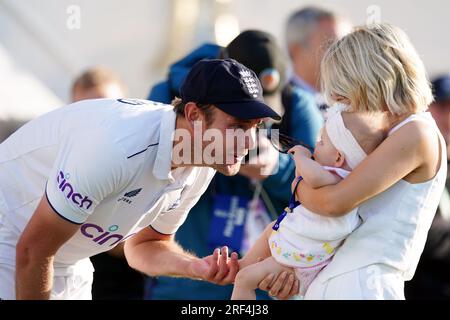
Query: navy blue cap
<point x="441" y="88"/>
<point x="228" y="85"/>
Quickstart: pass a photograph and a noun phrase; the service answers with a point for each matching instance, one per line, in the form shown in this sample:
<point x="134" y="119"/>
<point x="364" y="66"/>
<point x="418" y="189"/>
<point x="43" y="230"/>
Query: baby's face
<point x="325" y="153"/>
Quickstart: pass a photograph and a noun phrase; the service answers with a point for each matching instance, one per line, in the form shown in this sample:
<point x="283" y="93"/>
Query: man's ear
<point x="340" y="159"/>
<point x="293" y="50"/>
<point x="192" y="113"/>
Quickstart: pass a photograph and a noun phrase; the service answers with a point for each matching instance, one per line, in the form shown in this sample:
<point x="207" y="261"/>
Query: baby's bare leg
<point x="259" y="250"/>
<point x="247" y="279"/>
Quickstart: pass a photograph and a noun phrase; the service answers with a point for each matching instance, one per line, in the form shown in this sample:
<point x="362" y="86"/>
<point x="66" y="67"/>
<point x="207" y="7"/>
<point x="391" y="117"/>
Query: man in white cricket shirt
<point x="81" y="179"/>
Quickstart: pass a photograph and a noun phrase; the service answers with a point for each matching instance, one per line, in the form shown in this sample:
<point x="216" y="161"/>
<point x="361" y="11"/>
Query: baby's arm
<point x="311" y="171"/>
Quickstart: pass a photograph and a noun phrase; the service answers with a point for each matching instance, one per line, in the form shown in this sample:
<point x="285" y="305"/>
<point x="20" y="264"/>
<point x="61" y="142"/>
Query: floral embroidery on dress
<point x="328" y="248"/>
<point x="301" y="257"/>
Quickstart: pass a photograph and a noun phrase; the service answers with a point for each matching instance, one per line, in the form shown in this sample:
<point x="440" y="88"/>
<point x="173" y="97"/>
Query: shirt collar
<point x="163" y="162"/>
<point x="302" y="84"/>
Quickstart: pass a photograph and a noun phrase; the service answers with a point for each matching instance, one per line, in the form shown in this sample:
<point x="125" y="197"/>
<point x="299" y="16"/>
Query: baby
<point x="301" y="241"/>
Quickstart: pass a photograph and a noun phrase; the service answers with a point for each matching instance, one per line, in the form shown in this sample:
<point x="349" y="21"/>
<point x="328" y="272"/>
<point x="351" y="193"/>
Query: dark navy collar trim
<point x="152" y="145"/>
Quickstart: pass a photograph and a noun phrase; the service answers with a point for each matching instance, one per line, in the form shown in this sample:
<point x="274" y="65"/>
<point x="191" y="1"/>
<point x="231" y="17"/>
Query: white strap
<point x="423" y="116"/>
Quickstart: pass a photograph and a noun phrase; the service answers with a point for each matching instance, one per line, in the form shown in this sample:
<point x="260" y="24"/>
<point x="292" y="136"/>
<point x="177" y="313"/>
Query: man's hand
<point x="280" y="286"/>
<point x="217" y="268"/>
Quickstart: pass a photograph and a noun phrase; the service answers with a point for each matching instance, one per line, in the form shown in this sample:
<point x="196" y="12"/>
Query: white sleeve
<point x="86" y="170"/>
<point x="169" y="222"/>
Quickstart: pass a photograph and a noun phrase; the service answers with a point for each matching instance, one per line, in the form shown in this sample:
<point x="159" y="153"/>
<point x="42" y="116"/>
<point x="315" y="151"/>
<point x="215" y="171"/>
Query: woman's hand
<point x="281" y="286"/>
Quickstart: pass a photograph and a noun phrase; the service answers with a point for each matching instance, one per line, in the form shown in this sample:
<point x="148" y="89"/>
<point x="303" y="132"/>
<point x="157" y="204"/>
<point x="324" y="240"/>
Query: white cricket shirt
<point x="104" y="164"/>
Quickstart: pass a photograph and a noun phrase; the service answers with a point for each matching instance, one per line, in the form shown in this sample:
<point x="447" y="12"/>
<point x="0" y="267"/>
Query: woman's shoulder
<point x="421" y="119"/>
<point x="418" y="141"/>
<point x="416" y="128"/>
<point x="421" y="137"/>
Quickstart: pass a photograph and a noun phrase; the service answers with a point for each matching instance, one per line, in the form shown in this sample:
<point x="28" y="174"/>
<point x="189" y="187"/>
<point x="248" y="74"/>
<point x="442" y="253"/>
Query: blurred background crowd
<point x="55" y="52"/>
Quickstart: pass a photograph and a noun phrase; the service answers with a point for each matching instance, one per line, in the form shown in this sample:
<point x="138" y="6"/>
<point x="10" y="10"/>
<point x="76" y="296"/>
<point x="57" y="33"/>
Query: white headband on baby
<point x="341" y="138"/>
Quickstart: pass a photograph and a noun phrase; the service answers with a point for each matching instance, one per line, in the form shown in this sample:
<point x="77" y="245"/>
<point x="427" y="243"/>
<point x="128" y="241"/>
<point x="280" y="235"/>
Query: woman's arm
<point x="406" y="151"/>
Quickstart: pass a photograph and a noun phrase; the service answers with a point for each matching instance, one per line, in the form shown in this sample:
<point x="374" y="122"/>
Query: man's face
<point x="238" y="136"/>
<point x="326" y="32"/>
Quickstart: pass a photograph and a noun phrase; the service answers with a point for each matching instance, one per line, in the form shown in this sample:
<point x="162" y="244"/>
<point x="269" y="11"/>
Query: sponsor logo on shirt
<point x="126" y="197"/>
<point x="102" y="236"/>
<point x="68" y="190"/>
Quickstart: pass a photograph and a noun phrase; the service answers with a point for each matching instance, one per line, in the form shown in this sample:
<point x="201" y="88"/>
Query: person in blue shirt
<point x="260" y="197"/>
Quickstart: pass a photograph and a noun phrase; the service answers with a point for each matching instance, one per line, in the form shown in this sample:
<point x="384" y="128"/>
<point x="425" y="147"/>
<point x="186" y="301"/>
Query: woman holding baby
<point x="378" y="74"/>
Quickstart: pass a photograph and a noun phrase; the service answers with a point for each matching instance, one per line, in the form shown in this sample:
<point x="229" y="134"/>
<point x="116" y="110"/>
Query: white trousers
<point x="71" y="287"/>
<point x="74" y="285"/>
<point x="374" y="282"/>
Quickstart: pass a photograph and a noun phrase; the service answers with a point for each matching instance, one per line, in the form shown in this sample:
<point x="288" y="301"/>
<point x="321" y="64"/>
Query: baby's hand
<point x="300" y="150"/>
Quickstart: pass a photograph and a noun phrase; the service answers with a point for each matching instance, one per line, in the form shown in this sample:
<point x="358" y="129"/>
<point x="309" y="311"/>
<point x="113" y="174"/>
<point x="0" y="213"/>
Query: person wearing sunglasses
<point x="301" y="240"/>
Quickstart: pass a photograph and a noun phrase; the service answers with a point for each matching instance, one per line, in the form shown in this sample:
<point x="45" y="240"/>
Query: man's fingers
<point x="214" y="265"/>
<point x="223" y="266"/>
<point x="233" y="266"/>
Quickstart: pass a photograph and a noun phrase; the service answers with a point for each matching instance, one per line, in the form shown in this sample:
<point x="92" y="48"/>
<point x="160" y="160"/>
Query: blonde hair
<point x="375" y="67"/>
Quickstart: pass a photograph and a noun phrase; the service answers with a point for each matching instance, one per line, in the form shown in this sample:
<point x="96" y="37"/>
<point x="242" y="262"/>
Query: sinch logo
<point x="68" y="190"/>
